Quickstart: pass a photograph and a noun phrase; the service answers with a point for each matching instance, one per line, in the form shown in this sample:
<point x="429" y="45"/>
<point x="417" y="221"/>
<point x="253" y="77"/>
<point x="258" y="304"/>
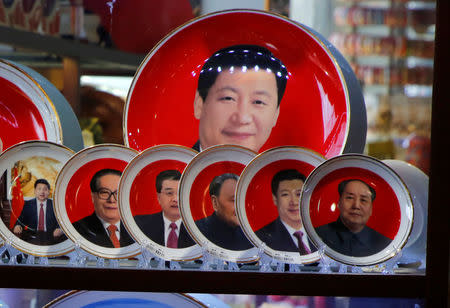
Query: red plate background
<point x="386" y="208"/>
<point x="20" y="120"/>
<point x="143" y="198"/>
<point x="199" y="199"/>
<point x="78" y="198"/>
<point x="259" y="205"/>
<point x="314" y="110"/>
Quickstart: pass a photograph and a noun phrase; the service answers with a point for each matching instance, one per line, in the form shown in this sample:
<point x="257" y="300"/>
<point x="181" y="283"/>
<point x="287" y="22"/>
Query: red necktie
<point x="172" y="240"/>
<point x="41" y="222"/>
<point x="112" y="235"/>
<point x="302" y="248"/>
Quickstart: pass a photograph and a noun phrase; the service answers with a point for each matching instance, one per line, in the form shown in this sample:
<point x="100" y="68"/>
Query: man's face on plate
<point x="241" y="108"/>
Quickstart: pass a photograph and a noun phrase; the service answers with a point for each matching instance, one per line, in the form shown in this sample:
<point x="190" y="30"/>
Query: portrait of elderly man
<point x="165" y="227"/>
<point x="222" y="227"/>
<point x="238" y="97"/>
<point x="286" y="232"/>
<point x="103" y="227"/>
<point x="349" y="234"/>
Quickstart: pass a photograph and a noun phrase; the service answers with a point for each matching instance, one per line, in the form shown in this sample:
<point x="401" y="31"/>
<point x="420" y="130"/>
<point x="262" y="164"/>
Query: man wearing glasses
<point x="165" y="227"/>
<point x="103" y="227"/>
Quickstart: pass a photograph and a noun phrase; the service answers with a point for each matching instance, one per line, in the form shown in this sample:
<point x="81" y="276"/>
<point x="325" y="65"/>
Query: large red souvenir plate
<point x="81" y="212"/>
<point x="322" y="108"/>
<point x="34" y="109"/>
<point x="262" y="213"/>
<point x="327" y="211"/>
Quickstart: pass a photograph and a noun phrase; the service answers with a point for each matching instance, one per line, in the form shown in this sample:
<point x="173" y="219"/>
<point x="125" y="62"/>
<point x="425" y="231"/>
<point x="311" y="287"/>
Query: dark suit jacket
<point x="364" y="243"/>
<point x="28" y="219"/>
<point x="91" y="228"/>
<point x="223" y="235"/>
<point x="153" y="227"/>
<point x="277" y="237"/>
<point x="197" y="146"/>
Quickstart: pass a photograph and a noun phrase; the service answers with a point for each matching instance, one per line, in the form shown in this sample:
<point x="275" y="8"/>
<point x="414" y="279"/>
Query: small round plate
<point x="417" y="182"/>
<point x="74" y="200"/>
<point x="386" y="221"/>
<point x="140" y="208"/>
<point x="257" y="211"/>
<point x="27" y="111"/>
<point x="70" y="127"/>
<point x="196" y="204"/>
<point x="329" y="117"/>
<point x="132" y="300"/>
<point x="20" y="166"/>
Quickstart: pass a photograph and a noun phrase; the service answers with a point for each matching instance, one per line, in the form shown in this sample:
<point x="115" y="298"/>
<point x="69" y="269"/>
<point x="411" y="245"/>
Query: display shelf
<point x="89" y="55"/>
<point x="215" y="282"/>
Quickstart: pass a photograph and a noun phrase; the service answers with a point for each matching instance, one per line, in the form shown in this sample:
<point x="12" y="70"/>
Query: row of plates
<point x="399" y="211"/>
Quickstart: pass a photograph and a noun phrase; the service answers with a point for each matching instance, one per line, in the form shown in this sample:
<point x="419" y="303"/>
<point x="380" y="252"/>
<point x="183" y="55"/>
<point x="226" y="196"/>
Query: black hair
<point x="250" y="56"/>
<point x="166" y="175"/>
<point x="94" y="181"/>
<point x="344" y="183"/>
<point x="216" y="183"/>
<point x="285" y="175"/>
<point x="42" y="181"/>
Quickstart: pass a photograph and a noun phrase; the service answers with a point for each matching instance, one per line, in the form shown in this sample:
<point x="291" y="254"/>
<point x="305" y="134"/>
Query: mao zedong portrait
<point x="103" y="226"/>
<point x="222" y="227"/>
<point x="37" y="223"/>
<point x="165" y="227"/>
<point x="238" y="97"/>
<point x="349" y="234"/>
<point x="286" y="232"/>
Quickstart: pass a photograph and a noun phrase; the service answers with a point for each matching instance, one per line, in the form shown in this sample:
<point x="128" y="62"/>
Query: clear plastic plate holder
<point x="78" y="257"/>
<point x="233" y="267"/>
<point x="325" y="261"/>
<point x="391" y="264"/>
<point x="13" y="252"/>
<point x="294" y="268"/>
<point x="264" y="260"/>
<point x="208" y="260"/>
<point x="174" y="265"/>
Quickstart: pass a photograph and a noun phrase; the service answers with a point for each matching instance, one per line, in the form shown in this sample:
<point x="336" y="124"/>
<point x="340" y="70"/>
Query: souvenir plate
<point x="361" y="194"/>
<point x="28" y="113"/>
<point x="34" y="109"/>
<point x="267" y="199"/>
<point x="208" y="210"/>
<point x="148" y="190"/>
<point x="22" y="166"/>
<point x="134" y="300"/>
<point x="78" y="208"/>
<point x="322" y="107"/>
<point x="417" y="182"/>
<point x="71" y="131"/>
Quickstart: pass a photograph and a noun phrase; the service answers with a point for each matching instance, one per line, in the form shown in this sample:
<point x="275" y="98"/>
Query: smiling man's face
<point x="241" y="108"/>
